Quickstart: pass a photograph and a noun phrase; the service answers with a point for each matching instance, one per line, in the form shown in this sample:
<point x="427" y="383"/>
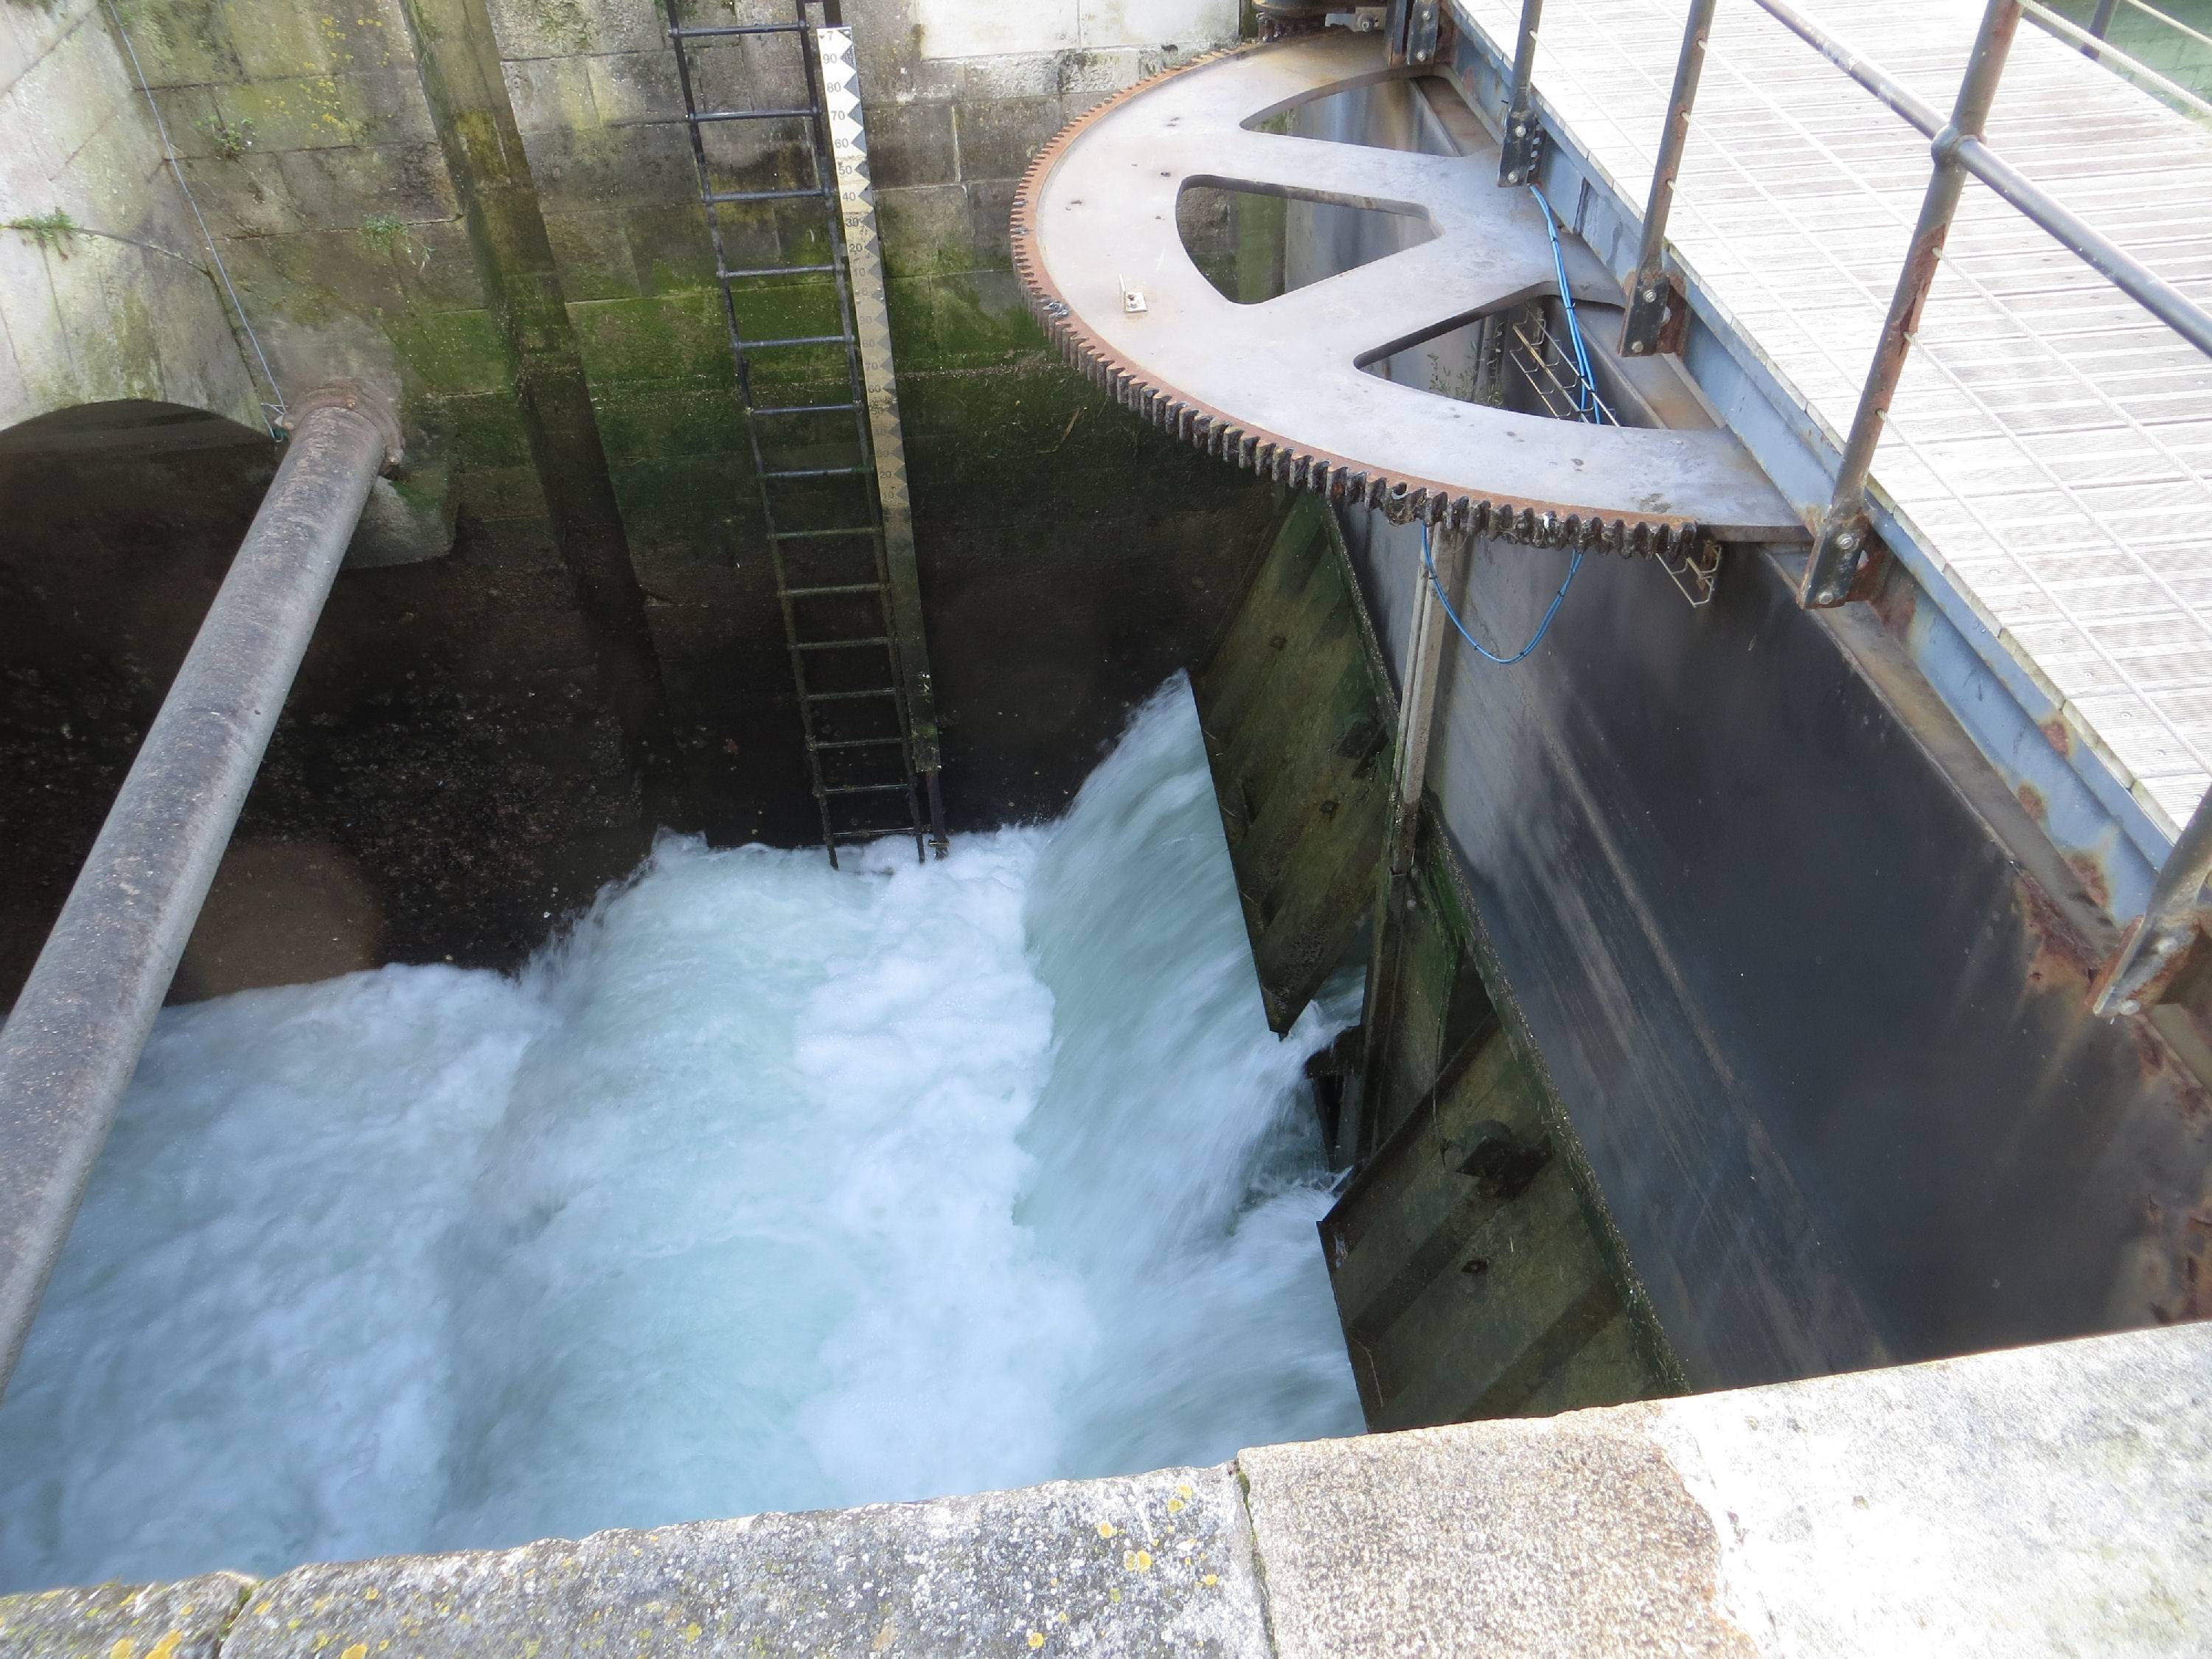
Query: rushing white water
<point x="768" y="1187"/>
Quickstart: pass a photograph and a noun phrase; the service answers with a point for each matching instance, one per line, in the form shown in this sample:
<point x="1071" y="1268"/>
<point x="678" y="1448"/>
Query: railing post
<point x="2151" y="955"/>
<point x="1840" y="543"/>
<point x="2101" y="23"/>
<point x="1651" y="294"/>
<point x="1520" y="140"/>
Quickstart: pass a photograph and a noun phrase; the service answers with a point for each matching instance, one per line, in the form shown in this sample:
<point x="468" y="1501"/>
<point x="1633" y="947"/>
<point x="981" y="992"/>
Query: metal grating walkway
<point x="2051" y="443"/>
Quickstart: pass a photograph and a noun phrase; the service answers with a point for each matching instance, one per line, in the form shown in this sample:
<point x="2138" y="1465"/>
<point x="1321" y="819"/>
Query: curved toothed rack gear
<point x="1279" y="386"/>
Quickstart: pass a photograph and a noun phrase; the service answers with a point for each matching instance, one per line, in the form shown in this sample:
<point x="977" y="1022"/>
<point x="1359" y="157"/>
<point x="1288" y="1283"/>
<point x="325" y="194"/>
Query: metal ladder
<point x="845" y="655"/>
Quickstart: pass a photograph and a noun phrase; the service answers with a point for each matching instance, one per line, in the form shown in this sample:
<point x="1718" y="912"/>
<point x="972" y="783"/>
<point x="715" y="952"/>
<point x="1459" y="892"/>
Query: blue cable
<point x="1536" y="639"/>
<point x="1585" y="406"/>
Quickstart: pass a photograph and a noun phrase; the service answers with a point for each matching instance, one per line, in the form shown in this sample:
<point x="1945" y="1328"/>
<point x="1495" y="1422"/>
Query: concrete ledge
<point x="2048" y="1501"/>
<point x="1155" y="1564"/>
<point x="184" y="1620"/>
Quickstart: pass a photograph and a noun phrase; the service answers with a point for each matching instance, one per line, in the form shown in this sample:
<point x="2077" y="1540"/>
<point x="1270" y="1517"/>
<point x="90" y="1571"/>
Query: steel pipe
<point x="73" y="1040"/>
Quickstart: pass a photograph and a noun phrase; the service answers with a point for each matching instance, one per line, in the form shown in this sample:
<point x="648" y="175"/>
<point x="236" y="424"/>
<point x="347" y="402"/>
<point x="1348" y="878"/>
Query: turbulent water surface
<point x="768" y="1187"/>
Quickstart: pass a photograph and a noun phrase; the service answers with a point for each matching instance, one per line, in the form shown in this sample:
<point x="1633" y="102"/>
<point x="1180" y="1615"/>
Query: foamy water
<point x="769" y="1187"/>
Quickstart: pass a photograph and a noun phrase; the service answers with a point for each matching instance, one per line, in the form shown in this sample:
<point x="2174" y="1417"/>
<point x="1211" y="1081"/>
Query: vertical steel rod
<point x="2148" y="957"/>
<point x="1649" y="293"/>
<point x="1425" y="658"/>
<point x="2101" y="23"/>
<point x="73" y="1041"/>
<point x="1520" y="140"/>
<point x="1839" y="545"/>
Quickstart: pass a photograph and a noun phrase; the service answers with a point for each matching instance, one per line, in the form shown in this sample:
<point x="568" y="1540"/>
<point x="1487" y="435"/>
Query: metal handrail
<point x="1840" y="566"/>
<point x="2098" y="48"/>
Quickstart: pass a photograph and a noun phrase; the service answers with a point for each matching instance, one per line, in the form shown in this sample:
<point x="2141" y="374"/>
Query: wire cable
<point x="1585" y="406"/>
<point x="1428" y="563"/>
<point x="169" y="153"/>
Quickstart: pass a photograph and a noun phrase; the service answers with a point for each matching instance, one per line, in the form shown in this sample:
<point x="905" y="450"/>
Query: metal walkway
<point x="2051" y="444"/>
<point x="827" y="457"/>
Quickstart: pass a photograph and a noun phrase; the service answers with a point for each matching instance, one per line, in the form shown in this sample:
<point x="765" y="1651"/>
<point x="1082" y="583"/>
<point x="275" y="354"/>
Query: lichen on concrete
<point x="1155" y="1564"/>
<point x="183" y="1620"/>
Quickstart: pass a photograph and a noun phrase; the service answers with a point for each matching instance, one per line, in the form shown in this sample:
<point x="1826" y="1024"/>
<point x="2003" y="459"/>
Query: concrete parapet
<point x="2051" y="1500"/>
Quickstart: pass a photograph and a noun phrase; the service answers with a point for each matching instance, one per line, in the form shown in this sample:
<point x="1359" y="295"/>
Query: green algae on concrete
<point x="484" y="151"/>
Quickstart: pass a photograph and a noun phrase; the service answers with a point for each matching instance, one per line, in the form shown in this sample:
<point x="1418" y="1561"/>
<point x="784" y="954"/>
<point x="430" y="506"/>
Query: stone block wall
<point x="104" y="290"/>
<point x="1070" y="557"/>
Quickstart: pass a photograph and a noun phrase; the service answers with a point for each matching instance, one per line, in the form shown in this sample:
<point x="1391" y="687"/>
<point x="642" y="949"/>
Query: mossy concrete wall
<point x="104" y="289"/>
<point x="1070" y="558"/>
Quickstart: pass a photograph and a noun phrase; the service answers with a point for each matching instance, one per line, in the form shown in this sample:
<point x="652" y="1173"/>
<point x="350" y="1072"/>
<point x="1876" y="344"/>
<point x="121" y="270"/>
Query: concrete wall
<point x="1070" y="558"/>
<point x="104" y="288"/>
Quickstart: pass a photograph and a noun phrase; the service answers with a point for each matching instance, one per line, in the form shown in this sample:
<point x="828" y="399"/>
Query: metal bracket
<point x="1410" y="31"/>
<point x="1522" y="149"/>
<point x="2172" y="931"/>
<point x="1423" y="24"/>
<point x="1842" y="558"/>
<point x="1658" y="316"/>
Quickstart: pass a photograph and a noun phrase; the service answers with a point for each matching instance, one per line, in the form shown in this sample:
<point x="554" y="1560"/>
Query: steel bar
<point x="749" y="114"/>
<point x="1875" y="80"/>
<point x="1651" y="293"/>
<point x="2121" y="61"/>
<point x="1840" y="544"/>
<point x="769" y="270"/>
<point x="1425" y="658"/>
<point x="1521" y="139"/>
<point x="2101" y="24"/>
<point x="74" y="1039"/>
<point x="2149" y="957"/>
<point x="2156" y="296"/>
<point x="724" y="30"/>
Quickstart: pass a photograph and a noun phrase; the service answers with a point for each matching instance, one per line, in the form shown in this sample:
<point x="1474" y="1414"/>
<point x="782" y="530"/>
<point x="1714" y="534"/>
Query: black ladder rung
<point x="837" y="645"/>
<point x="848" y="696"/>
<point x="746" y="114"/>
<point x="862" y="788"/>
<point x="876" y="834"/>
<point x="718" y="196"/>
<point x="858" y="743"/>
<point x="833" y="587"/>
<point x="817" y="535"/>
<point x="817" y="471"/>
<point x="684" y="32"/>
<point x="771" y="270"/>
<point x="802" y="409"/>
<point x="795" y="340"/>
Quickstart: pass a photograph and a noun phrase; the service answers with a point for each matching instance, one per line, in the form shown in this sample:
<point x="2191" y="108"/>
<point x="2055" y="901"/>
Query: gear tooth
<point x="1286" y="462"/>
<point x="1318" y="479"/>
<point x="1378" y="488"/>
